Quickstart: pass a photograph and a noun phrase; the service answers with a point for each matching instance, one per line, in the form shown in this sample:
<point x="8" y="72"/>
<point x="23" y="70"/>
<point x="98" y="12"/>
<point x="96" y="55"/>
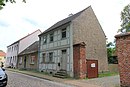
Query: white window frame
<point x="32" y="59"/>
<point x="20" y="60"/>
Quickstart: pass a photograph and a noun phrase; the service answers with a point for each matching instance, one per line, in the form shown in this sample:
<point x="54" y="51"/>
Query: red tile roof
<point x="2" y="54"/>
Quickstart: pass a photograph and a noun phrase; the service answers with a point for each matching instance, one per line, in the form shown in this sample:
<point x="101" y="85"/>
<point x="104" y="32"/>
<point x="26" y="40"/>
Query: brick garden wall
<point x="123" y="53"/>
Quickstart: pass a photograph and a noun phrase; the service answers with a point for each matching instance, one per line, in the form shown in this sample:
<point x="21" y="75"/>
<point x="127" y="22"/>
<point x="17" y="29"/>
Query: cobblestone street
<point x="21" y="80"/>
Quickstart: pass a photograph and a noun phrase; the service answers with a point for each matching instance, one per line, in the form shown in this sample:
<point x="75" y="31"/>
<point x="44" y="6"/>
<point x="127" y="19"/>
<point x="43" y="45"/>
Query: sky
<point x="20" y="19"/>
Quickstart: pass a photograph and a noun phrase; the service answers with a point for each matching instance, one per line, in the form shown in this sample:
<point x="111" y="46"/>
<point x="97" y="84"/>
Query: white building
<point x="17" y="47"/>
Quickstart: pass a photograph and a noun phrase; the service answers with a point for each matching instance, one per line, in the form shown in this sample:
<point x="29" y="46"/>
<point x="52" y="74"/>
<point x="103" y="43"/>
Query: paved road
<point x="21" y="80"/>
<point x="111" y="81"/>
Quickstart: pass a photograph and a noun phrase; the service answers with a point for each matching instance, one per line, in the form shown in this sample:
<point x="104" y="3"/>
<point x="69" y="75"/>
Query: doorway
<point x="64" y="60"/>
<point x="25" y="59"/>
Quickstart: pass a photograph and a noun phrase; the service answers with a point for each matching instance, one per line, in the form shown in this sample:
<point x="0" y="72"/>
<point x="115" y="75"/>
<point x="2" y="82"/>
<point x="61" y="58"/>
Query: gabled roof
<point x="2" y="53"/>
<point x="24" y="37"/>
<point x="31" y="49"/>
<point x="123" y="34"/>
<point x="64" y="21"/>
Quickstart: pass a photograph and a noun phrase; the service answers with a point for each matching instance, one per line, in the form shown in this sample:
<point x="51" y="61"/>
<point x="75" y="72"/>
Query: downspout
<point x="38" y="60"/>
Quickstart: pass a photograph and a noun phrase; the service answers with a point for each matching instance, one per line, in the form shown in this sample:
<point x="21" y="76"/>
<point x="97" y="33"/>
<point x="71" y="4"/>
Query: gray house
<point x="57" y="44"/>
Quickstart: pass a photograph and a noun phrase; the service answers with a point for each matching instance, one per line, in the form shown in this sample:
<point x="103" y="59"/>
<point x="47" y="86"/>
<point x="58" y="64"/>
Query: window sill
<point x="64" y="38"/>
<point x="31" y="63"/>
<point x="42" y="63"/>
<point x="51" y="41"/>
<point x="20" y="63"/>
<point x="47" y="63"/>
<point x="44" y="43"/>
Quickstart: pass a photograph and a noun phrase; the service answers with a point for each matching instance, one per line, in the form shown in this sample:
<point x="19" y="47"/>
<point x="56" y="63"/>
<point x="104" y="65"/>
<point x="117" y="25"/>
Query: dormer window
<point x="64" y="33"/>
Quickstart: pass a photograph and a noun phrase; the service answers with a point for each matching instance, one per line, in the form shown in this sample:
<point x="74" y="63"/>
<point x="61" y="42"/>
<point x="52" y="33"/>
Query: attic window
<point x="64" y="33"/>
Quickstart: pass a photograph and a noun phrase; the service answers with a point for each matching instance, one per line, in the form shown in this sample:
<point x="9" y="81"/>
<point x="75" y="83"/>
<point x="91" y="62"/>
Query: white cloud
<point x="17" y="20"/>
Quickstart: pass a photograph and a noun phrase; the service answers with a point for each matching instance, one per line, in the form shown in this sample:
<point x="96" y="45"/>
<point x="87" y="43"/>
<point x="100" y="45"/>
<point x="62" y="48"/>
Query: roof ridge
<point x="25" y="37"/>
<point x="64" y="21"/>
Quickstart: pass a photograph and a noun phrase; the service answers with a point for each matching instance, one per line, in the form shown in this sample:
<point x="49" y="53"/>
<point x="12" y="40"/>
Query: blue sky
<point x="20" y="19"/>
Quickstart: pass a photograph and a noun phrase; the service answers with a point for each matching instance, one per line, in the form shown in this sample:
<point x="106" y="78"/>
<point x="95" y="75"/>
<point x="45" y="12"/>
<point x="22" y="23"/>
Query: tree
<point x="111" y="53"/>
<point x="3" y="2"/>
<point x="125" y="19"/>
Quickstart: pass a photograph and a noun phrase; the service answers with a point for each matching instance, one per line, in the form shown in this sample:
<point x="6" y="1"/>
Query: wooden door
<point x="25" y="59"/>
<point x="92" y="68"/>
<point x="64" y="60"/>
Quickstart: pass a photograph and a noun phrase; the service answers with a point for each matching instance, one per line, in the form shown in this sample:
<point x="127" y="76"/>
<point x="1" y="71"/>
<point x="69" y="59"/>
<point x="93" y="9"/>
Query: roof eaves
<point x="27" y="53"/>
<point x="122" y="34"/>
<point x="53" y="28"/>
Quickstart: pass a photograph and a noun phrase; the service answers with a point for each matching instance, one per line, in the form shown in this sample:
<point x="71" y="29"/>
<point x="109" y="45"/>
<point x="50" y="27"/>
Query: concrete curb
<point x="29" y="74"/>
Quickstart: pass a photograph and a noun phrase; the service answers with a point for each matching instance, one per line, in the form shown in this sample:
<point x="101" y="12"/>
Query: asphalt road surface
<point x="21" y="80"/>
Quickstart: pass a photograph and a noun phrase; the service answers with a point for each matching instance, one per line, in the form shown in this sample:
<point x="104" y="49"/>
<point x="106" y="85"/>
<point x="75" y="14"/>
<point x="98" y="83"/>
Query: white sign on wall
<point x="93" y="65"/>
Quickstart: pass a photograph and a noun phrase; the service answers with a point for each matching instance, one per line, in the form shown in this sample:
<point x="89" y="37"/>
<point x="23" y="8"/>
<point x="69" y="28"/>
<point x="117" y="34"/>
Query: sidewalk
<point x="77" y="83"/>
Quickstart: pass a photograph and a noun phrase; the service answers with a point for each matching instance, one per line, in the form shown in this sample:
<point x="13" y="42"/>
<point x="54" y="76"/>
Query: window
<point x="64" y="33"/>
<point x="13" y="59"/>
<point x="51" y="37"/>
<point x="20" y="60"/>
<point x="17" y="47"/>
<point x="12" y="48"/>
<point x="8" y="49"/>
<point x="32" y="59"/>
<point x="44" y="39"/>
<point x="51" y="57"/>
<point x="43" y="58"/>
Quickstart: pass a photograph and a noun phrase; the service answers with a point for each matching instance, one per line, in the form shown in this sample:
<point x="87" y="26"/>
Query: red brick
<point x="79" y="57"/>
<point x="123" y="53"/>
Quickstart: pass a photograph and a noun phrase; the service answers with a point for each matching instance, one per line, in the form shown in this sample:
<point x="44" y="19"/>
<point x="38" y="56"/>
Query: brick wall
<point x="79" y="56"/>
<point x="123" y="53"/>
<point x="87" y="29"/>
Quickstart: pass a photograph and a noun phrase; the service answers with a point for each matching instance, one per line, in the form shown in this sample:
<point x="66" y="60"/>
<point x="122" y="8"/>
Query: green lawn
<point x="108" y="74"/>
<point x="105" y="74"/>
